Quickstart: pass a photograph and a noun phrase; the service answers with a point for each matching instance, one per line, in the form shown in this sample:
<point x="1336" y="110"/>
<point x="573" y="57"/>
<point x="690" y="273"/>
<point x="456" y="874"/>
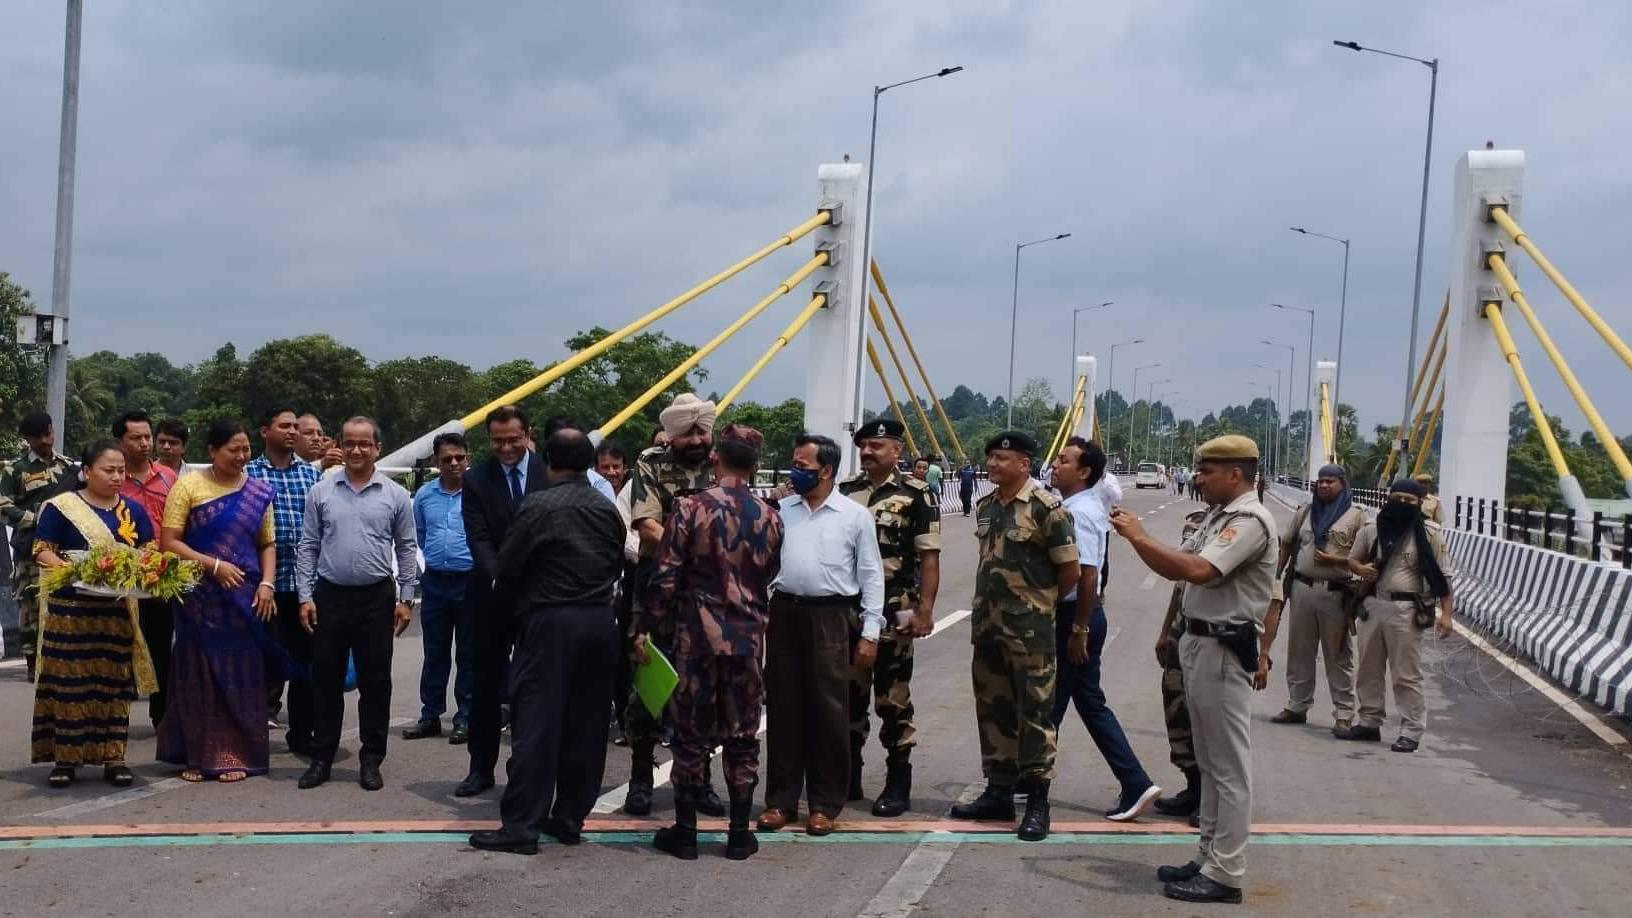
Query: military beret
<point x="880" y="427"/>
<point x="1013" y="439"/>
<point x="741" y="433"/>
<point x="1227" y="447"/>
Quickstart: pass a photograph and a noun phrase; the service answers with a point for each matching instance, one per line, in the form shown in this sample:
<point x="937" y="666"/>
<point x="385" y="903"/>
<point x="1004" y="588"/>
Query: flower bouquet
<point x="124" y="572"/>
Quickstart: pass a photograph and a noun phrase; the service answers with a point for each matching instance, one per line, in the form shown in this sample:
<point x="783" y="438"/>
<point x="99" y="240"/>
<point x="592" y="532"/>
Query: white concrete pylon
<point x="833" y="369"/>
<point x="1086" y="367"/>
<point x="1319" y="449"/>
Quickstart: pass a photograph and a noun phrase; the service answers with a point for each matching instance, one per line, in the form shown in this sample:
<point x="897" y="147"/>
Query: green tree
<point x="417" y="394"/>
<point x="312" y="373"/>
<point x="22" y="369"/>
<point x="780" y="424"/>
<point x="90" y="407"/>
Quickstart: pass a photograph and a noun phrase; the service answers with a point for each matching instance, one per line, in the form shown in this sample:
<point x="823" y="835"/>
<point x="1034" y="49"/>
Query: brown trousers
<point x="807" y="690"/>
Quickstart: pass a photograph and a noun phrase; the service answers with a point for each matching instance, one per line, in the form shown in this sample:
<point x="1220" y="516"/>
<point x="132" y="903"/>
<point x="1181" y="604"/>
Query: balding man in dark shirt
<point x="561" y="560"/>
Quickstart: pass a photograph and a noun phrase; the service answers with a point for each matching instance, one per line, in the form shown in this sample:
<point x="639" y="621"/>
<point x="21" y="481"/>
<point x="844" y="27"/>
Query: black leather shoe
<point x="1360" y="734"/>
<point x="740" y="843"/>
<point x="1034" y="825"/>
<point x="459" y="736"/>
<point x="1200" y="889"/>
<point x="995" y="803"/>
<point x="502" y="841"/>
<point x="897" y="796"/>
<point x="369" y="777"/>
<point x="562" y="831"/>
<point x="316" y="774"/>
<point x="474" y="783"/>
<point x="1185" y="802"/>
<point x="638" y="801"/>
<point x="1168" y="874"/>
<point x="423" y="729"/>
<point x="1404" y="744"/>
<point x="680" y="839"/>
<point x="709" y="803"/>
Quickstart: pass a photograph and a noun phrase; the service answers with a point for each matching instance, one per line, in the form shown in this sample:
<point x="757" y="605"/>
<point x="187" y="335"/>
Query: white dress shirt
<point x="1092" y="525"/>
<point x="1109" y="491"/>
<point x="833" y="551"/>
<point x="631" y="538"/>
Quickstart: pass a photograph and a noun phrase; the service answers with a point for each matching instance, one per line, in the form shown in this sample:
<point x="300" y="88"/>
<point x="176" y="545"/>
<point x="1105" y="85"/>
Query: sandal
<point x="231" y="777"/>
<point x="61" y="776"/>
<point x="192" y="776"/>
<point x="118" y="775"/>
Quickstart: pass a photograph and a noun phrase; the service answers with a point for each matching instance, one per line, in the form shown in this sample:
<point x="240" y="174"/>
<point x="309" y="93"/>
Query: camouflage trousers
<point x="718" y="698"/>
<point x="888" y="687"/>
<point x="25" y="578"/>
<point x="1179" y="749"/>
<point x="1014" y="696"/>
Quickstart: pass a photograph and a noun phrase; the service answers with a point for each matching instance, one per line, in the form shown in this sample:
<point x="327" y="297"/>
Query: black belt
<point x="1213" y="629"/>
<point x="1332" y="585"/>
<point x="1404" y="597"/>
<point x="432" y="572"/>
<point x="835" y="600"/>
<point x="331" y="585"/>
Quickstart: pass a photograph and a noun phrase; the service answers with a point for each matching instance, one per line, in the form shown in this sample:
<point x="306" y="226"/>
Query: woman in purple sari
<point x="215" y="725"/>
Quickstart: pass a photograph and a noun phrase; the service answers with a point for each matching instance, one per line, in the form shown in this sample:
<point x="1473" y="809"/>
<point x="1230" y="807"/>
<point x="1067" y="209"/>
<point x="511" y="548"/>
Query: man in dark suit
<point x="493" y="492"/>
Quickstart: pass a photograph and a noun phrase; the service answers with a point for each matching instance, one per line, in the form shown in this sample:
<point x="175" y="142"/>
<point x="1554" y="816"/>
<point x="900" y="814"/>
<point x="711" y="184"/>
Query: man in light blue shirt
<point x="444" y="618"/>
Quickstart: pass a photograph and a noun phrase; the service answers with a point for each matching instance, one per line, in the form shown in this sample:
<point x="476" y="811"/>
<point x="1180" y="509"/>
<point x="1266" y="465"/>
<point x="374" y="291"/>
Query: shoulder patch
<point x="1226" y="536"/>
<point x="1047" y="498"/>
<point x="917" y="485"/>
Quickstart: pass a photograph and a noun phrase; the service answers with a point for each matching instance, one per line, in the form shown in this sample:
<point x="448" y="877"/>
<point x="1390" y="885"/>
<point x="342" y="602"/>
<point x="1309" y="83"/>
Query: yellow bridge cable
<point x="917" y="407"/>
<point x="1611" y="445"/>
<point x="675" y="375"/>
<point x="1415" y="440"/>
<point x="1328" y="427"/>
<point x="1428" y="435"/>
<point x="1060" y="432"/>
<point x="895" y="407"/>
<point x="595" y="350"/>
<point x="1493" y="314"/>
<point x="929" y="387"/>
<point x="788" y="334"/>
<point x="1501" y="217"/>
<point x="1421" y="412"/>
<point x="1432" y="352"/>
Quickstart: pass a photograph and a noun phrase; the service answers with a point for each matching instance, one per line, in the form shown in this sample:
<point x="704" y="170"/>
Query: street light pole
<point x="1071" y="378"/>
<point x="1342" y="310"/>
<point x="1291" y="377"/>
<point x="1308" y="376"/>
<point x="1131" y="405"/>
<point x="1110" y="386"/>
<point x="1150" y="409"/>
<point x="1422" y="229"/>
<point x="1275" y="414"/>
<point x="1014" y="311"/>
<point x="56" y="376"/>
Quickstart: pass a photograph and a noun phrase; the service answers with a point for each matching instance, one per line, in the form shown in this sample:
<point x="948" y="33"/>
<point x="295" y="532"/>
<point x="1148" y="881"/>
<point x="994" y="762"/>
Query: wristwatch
<point x="1078" y="629"/>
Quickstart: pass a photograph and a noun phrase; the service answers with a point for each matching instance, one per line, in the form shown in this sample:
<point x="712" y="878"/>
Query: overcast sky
<point x="480" y="180"/>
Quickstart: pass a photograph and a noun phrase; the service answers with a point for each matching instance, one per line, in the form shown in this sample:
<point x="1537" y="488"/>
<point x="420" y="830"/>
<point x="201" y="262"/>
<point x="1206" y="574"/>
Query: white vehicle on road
<point x="1149" y="475"/>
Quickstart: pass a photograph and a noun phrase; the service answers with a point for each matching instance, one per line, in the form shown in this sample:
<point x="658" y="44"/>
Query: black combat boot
<point x="856" y="793"/>
<point x="897" y="796"/>
<point x="680" y="839"/>
<point x="708" y="802"/>
<point x="996" y="802"/>
<point x="1034" y="825"/>
<point x="1185" y="802"/>
<point x="638" y="802"/>
<point x="740" y="843"/>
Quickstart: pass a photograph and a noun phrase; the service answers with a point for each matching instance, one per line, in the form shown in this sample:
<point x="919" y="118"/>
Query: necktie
<point x="515" y="485"/>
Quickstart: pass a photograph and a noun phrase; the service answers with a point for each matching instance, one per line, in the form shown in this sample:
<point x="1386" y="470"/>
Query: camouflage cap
<point x="1226" y="448"/>
<point x="1016" y="440"/>
<point x="741" y="433"/>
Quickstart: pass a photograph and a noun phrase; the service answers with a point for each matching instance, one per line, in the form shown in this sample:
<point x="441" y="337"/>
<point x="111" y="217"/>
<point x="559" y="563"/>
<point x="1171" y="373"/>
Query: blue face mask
<point x="804" y="481"/>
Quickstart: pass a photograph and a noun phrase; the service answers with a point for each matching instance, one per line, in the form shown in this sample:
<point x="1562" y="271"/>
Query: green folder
<point x="655" y="681"/>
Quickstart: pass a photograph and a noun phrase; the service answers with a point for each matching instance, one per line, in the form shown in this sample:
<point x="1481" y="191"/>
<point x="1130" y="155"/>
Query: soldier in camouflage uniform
<point x="661" y="477"/>
<point x="37" y="475"/>
<point x="908" y="516"/>
<point x="1028" y="559"/>
<point x="1179" y="750"/>
<point x="711" y="581"/>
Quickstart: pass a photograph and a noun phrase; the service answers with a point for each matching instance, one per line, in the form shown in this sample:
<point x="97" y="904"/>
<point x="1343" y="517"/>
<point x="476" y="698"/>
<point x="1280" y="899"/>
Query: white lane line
<point x="901" y="893"/>
<point x="132" y="794"/>
<point x="950" y="620"/>
<point x="12" y="664"/>
<point x="1149" y="582"/>
<point x="1109" y="637"/>
<point x="1574" y="709"/>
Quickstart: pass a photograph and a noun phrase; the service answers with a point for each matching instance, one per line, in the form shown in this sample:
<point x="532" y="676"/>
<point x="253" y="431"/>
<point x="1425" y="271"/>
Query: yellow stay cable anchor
<point x="679" y="372"/>
<point x="935" y="400"/>
<point x="1500" y="216"/>
<point x="1612" y="446"/>
<point x="917" y="407"/>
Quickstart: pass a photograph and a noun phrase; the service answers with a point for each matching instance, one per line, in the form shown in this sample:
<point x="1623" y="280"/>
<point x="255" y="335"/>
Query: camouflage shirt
<point x="25" y="486"/>
<point x="1022" y="543"/>
<point x="658" y="480"/>
<point x="720" y="551"/>
<point x="909" y="522"/>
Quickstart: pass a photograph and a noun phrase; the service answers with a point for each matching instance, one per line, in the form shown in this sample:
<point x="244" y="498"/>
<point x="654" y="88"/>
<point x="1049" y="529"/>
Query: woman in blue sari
<point x="92" y="662"/>
<point x="215" y="724"/>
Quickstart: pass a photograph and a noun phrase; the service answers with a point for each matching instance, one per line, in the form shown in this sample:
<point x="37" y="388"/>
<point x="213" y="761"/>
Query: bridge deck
<point x="1507" y="792"/>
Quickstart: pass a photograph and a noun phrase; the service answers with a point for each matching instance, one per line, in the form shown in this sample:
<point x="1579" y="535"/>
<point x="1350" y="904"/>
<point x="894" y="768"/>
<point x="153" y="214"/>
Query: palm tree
<point x="90" y="405"/>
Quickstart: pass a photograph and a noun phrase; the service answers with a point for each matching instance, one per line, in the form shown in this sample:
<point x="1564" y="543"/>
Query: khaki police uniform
<point x="1390" y="641"/>
<point x="1317" y="622"/>
<point x="1239" y="541"/>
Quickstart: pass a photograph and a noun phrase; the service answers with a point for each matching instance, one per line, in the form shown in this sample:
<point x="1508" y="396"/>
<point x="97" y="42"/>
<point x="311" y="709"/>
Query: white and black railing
<point x="1601" y="537"/>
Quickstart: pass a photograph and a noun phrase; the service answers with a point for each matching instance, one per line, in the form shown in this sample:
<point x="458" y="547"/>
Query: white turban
<point x="685" y="412"/>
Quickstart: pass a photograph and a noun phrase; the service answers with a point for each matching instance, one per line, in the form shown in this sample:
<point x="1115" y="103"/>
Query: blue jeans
<point x="444" y="622"/>
<point x="1080" y="684"/>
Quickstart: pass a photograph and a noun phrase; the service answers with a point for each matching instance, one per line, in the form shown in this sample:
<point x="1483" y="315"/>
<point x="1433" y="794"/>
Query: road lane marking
<point x="12" y="664"/>
<point x="1149" y="582"/>
<point x="950" y="620"/>
<point x="1586" y="718"/>
<point x="905" y="888"/>
<point x="131" y="795"/>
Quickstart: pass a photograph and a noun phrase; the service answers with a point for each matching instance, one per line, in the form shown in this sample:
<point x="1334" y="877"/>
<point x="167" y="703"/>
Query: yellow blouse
<point x="191" y="490"/>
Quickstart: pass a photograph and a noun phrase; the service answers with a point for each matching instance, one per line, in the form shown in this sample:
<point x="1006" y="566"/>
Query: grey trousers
<point x="1390" y="644"/>
<point x="1317" y="625"/>
<point x="1218" y="692"/>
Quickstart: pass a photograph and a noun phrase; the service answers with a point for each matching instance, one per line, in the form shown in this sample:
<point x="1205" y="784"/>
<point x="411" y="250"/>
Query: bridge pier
<point x="1087" y="366"/>
<point x="837" y="342"/>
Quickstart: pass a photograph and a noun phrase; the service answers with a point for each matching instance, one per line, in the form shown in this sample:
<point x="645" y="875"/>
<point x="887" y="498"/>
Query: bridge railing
<point x="1602" y="537"/>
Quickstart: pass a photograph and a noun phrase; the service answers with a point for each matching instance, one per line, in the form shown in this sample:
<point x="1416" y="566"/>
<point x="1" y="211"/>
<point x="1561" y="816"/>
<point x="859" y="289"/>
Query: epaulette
<point x="652" y="453"/>
<point x="916" y="483"/>
<point x="1047" y="498"/>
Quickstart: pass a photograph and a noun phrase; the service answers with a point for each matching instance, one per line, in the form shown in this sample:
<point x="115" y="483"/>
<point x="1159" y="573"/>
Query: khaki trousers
<point x="1390" y="644"/>
<point x="1317" y="625"/>
<point x="1218" y="693"/>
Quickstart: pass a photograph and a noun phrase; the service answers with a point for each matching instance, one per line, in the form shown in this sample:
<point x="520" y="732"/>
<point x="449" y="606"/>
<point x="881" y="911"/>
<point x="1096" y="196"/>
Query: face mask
<point x="1396" y="516"/>
<point x="804" y="481"/>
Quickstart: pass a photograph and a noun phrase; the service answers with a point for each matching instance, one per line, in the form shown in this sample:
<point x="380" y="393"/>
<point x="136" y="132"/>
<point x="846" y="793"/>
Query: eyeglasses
<point x="452" y="460"/>
<point x="358" y="445"/>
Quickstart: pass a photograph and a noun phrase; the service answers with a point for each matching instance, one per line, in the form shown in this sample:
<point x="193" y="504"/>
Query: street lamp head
<point x="1298" y="229"/>
<point x="1351" y="45"/>
<point x="1107" y="303"/>
<point x="948" y="71"/>
<point x="1063" y="236"/>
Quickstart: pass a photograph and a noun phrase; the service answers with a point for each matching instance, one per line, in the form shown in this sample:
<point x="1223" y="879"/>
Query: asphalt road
<point x="1510" y="808"/>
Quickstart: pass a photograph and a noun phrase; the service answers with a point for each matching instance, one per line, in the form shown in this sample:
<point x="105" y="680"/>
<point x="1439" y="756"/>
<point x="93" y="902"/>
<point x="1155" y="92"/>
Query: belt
<point x="1212" y="629"/>
<point x="432" y="572"/>
<point x="331" y="585"/>
<point x="834" y="600"/>
<point x="1320" y="583"/>
<point x="1403" y="597"/>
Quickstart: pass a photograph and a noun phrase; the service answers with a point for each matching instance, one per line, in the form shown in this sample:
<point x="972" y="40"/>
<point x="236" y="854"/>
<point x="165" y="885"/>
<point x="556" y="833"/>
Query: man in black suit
<point x="493" y="491"/>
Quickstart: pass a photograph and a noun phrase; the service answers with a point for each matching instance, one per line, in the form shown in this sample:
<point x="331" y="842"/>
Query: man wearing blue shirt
<point x="444" y="618"/>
